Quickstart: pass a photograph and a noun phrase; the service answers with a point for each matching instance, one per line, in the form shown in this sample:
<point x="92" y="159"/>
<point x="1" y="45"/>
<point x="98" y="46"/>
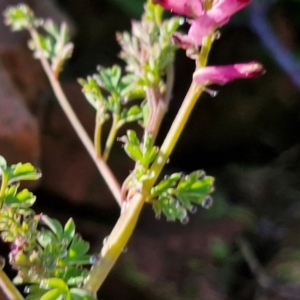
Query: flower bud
<point x="224" y="74"/>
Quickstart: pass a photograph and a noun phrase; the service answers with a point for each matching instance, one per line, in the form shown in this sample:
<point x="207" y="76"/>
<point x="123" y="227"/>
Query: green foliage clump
<point x="45" y="254"/>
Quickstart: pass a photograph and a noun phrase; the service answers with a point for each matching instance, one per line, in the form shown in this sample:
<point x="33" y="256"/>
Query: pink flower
<point x="189" y="8"/>
<point x="222" y="10"/>
<point x="224" y="74"/>
<point x="201" y="27"/>
<point x="204" y="22"/>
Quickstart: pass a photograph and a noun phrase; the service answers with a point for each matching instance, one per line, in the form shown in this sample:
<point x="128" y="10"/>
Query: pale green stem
<point x="63" y="101"/>
<point x="98" y="130"/>
<point x="182" y="116"/>
<point x="157" y="110"/>
<point x="4" y="183"/>
<point x="115" y="244"/>
<point x="97" y="139"/>
<point x="173" y="135"/>
<point x="111" y="136"/>
<point x="122" y="231"/>
<point x="205" y="49"/>
<point x="8" y="288"/>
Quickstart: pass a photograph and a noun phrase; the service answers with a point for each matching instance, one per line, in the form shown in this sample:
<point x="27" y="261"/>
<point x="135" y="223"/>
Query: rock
<point x="19" y="135"/>
<point x="68" y="170"/>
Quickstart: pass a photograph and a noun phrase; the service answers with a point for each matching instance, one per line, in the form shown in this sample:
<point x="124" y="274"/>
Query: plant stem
<point x="115" y="244"/>
<point x="98" y="130"/>
<point x="182" y="116"/>
<point x="161" y="102"/>
<point x="174" y="133"/>
<point x="8" y="288"/>
<point x="205" y="49"/>
<point x="63" y="101"/>
<point x="157" y="110"/>
<point x="4" y="184"/>
<point x="97" y="139"/>
<point x="123" y="229"/>
<point x="111" y="137"/>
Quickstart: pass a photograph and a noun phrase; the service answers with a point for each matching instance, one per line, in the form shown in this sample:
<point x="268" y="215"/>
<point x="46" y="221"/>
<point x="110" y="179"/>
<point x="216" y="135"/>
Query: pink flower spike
<point x="189" y="8"/>
<point x="224" y="74"/>
<point x="222" y="10"/>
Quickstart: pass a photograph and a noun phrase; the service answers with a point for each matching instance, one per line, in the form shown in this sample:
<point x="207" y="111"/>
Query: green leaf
<point x="149" y="156"/>
<point x="54" y="225"/>
<point x="64" y="35"/>
<point x="195" y="190"/>
<point x="115" y="75"/>
<point x="36" y="296"/>
<point x="130" y="89"/>
<point x="83" y="259"/>
<point x="166" y="183"/>
<point x="132" y="138"/>
<point x="22" y="199"/>
<point x="75" y="281"/>
<point x="134" y="110"/>
<point x="54" y="283"/>
<point x="71" y="273"/>
<point x="23" y="172"/>
<point x="176" y="194"/>
<point x="169" y="208"/>
<point x="134" y="152"/>
<point x="19" y="17"/>
<point x="51" y="28"/>
<point x="11" y="191"/>
<point x="35" y="292"/>
<point x="81" y="293"/>
<point x="91" y="91"/>
<point x="77" y="250"/>
<point x="3" y="163"/>
<point x="55" y="294"/>
<point x="133" y="114"/>
<point x="103" y="79"/>
<point x="69" y="230"/>
<point x="46" y="237"/>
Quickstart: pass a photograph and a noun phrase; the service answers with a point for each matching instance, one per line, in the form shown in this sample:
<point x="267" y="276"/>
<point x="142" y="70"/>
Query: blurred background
<point x="247" y="246"/>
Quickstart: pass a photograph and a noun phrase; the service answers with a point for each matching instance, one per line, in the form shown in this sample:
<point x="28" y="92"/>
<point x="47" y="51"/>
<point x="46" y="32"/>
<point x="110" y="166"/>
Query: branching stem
<point x="122" y="231"/>
<point x="111" y="136"/>
<point x="174" y="133"/>
<point x="63" y="101"/>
